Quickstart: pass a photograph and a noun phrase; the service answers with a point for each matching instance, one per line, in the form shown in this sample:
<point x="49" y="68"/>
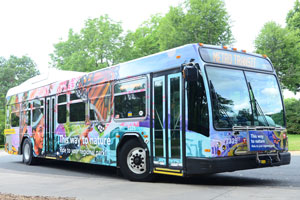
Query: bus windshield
<point x="233" y="105"/>
<point x="266" y="93"/>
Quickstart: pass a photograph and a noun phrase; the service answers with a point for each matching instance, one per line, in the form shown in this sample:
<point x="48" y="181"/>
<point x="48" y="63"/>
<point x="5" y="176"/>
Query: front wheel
<point x="27" y="150"/>
<point x="134" y="161"/>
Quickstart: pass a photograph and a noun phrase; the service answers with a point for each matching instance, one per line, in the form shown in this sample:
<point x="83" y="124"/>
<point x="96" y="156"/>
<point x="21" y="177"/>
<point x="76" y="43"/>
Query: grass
<point x="294" y="142"/>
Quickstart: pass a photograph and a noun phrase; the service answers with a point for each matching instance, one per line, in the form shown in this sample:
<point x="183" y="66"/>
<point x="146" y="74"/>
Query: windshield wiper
<point x="256" y="107"/>
<point x="222" y="111"/>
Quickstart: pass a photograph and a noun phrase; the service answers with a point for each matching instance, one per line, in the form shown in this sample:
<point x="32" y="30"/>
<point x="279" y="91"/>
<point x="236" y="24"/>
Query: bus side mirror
<point x="190" y="73"/>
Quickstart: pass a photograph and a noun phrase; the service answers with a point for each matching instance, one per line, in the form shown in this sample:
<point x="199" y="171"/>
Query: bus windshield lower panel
<point x="244" y="98"/>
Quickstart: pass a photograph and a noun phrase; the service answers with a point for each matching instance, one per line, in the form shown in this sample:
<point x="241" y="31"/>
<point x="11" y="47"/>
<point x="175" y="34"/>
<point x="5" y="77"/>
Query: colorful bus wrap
<point x="195" y="109"/>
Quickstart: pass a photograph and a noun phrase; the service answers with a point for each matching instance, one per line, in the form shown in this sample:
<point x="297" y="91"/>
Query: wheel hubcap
<point x="136" y="160"/>
<point x="26" y="151"/>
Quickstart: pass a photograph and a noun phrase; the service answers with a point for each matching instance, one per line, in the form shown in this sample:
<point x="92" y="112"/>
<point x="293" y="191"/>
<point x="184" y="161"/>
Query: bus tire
<point x="27" y="150"/>
<point x="134" y="161"/>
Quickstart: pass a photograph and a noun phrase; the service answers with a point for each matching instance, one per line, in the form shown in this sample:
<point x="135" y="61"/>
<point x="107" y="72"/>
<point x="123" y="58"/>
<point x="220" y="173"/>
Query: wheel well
<point x="125" y="139"/>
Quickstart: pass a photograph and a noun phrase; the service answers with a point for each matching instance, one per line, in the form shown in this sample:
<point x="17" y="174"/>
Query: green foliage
<point x="209" y="22"/>
<point x="282" y="47"/>
<point x="172" y="29"/>
<point x="101" y="42"/>
<point x="293" y="17"/>
<point x="292" y="107"/>
<point x="13" y="72"/>
<point x="142" y="42"/>
<point x="96" y="46"/>
<point x="205" y="21"/>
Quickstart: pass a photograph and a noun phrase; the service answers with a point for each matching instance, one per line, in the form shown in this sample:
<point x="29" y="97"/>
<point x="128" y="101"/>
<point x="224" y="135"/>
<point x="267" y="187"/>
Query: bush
<point x="292" y="107"/>
<point x="1" y="139"/>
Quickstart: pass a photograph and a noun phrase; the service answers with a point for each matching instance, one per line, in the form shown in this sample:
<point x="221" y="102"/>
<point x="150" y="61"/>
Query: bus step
<point x="174" y="172"/>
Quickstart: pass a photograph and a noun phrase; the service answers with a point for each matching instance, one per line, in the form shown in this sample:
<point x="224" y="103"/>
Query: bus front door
<point x="49" y="126"/>
<point x="167" y="126"/>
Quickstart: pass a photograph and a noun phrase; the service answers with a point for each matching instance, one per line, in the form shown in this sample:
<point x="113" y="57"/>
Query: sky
<point x="31" y="27"/>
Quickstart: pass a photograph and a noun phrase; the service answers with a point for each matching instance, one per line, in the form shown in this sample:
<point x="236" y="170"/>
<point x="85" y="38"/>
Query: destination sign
<point x="234" y="58"/>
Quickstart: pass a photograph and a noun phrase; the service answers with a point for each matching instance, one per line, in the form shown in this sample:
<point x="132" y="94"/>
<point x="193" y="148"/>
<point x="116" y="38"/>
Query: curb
<point x="3" y="153"/>
<point x="295" y="153"/>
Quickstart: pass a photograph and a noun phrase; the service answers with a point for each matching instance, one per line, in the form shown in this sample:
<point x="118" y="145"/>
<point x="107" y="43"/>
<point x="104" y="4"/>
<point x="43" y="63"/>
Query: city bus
<point x="195" y="109"/>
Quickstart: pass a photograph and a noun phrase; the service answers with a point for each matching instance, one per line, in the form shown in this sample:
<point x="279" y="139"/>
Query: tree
<point x="101" y="43"/>
<point x="13" y="72"/>
<point x="143" y="41"/>
<point x="195" y="21"/>
<point x="95" y="47"/>
<point x="172" y="29"/>
<point x="282" y="47"/>
<point x="292" y="107"/>
<point x="293" y="17"/>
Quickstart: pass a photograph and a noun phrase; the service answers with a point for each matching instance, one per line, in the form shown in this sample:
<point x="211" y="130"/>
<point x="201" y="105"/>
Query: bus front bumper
<point x="228" y="164"/>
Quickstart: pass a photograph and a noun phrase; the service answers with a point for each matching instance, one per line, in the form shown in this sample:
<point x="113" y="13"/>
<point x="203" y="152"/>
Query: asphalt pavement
<point x="84" y="181"/>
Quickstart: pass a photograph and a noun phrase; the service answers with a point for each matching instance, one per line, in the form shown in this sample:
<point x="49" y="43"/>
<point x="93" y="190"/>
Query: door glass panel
<point x="159" y="118"/>
<point x="47" y="124"/>
<point x="174" y="108"/>
<point x="52" y="125"/>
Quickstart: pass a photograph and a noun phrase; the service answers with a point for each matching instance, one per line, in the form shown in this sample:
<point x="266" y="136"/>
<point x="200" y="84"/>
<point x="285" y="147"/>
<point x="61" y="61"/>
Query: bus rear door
<point x="50" y="126"/>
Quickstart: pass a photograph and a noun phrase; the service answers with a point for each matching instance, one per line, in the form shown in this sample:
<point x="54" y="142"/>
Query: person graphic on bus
<point x="38" y="131"/>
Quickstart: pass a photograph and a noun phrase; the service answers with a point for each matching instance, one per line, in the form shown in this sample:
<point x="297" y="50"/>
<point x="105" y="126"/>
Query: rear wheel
<point x="134" y="161"/>
<point x="27" y="150"/>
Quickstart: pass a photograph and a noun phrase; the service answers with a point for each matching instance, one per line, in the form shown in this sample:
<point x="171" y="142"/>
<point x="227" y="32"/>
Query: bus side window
<point x="37" y="113"/>
<point x="100" y="102"/>
<point x="62" y="109"/>
<point x="7" y="121"/>
<point x="198" y="119"/>
<point x="29" y="114"/>
<point x="130" y="99"/>
<point x="15" y="119"/>
<point x="28" y="117"/>
<point x="26" y="114"/>
<point x="77" y="109"/>
<point x="15" y="115"/>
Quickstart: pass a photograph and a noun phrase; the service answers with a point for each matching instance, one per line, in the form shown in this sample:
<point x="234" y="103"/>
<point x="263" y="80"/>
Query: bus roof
<point x="53" y="75"/>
